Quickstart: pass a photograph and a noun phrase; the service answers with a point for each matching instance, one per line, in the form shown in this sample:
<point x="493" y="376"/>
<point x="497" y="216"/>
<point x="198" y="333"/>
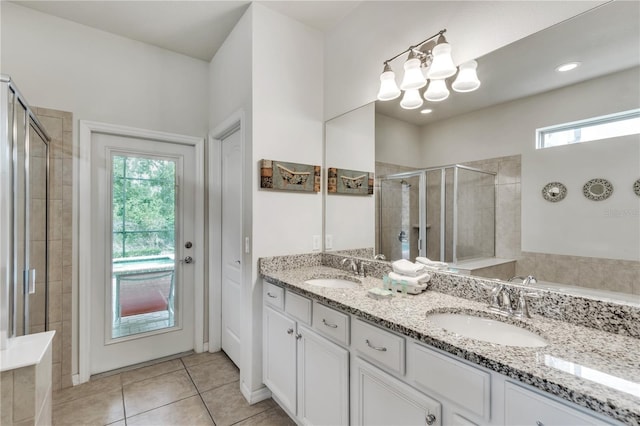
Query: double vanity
<point x="334" y="355"/>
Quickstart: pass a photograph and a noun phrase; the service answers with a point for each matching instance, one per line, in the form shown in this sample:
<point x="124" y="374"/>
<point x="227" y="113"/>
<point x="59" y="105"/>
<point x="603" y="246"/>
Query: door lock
<point x="188" y="244"/>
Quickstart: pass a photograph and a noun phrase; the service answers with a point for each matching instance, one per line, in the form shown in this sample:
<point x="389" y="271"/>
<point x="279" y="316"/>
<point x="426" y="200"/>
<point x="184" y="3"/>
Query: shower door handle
<point x="30" y="280"/>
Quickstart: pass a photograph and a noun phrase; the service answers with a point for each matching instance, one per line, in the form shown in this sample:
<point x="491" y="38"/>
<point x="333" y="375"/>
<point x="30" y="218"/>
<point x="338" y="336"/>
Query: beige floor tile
<point x="151" y="371"/>
<point x="227" y="405"/>
<point x="157" y="391"/>
<point x="118" y="423"/>
<point x="217" y="372"/>
<point x="273" y="417"/>
<point x="92" y="387"/>
<point x="98" y="409"/>
<point x="190" y="411"/>
<point x="201" y="358"/>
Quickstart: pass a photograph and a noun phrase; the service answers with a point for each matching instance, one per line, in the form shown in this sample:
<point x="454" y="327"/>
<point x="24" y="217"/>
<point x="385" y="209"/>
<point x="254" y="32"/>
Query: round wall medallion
<point x="636" y="187"/>
<point x="554" y="191"/>
<point x="597" y="189"/>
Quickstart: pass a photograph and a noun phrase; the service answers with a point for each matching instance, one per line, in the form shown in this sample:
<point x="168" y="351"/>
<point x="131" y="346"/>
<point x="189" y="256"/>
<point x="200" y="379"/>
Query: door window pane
<point x="143" y="206"/>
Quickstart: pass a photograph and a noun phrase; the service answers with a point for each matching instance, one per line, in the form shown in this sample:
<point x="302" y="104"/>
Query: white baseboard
<point x="75" y="379"/>
<point x="255" y="396"/>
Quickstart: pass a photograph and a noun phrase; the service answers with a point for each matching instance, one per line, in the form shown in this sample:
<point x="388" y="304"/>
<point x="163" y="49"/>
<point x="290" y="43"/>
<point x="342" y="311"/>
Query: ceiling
<point x="527" y="67"/>
<point x="192" y="28"/>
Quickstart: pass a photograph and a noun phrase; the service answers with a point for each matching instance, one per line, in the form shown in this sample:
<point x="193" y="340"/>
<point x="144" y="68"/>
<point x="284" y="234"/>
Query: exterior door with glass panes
<point x="142" y="252"/>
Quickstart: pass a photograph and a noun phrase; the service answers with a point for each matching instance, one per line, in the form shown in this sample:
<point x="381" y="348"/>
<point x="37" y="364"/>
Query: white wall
<point x="575" y="226"/>
<point x="100" y="76"/>
<point x="270" y="66"/>
<point x="349" y="140"/>
<point x="398" y="142"/>
<point x="375" y="31"/>
<point x="287" y="126"/>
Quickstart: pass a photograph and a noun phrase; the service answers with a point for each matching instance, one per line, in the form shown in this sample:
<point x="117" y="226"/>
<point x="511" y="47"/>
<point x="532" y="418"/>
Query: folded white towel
<point x="408" y="268"/>
<point x="423" y="278"/>
<point x="432" y="263"/>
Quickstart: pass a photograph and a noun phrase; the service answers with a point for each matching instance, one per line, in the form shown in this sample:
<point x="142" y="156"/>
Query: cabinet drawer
<point x="469" y="387"/>
<point x="523" y="406"/>
<point x="274" y="295"/>
<point x="378" y="345"/>
<point x="331" y="323"/>
<point x="298" y="307"/>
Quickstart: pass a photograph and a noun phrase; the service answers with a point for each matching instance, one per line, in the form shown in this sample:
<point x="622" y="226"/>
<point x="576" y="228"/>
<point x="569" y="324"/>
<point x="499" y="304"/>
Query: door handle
<point x="187" y="259"/>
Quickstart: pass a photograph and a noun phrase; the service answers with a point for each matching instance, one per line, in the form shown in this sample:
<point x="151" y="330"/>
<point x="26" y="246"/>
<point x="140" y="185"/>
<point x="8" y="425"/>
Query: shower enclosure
<point x="443" y="213"/>
<point x="24" y="207"/>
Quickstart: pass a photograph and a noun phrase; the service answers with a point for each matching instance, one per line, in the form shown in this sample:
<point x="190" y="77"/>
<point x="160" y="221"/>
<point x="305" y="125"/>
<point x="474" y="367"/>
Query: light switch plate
<point x="316" y="243"/>
<point x="328" y="242"/>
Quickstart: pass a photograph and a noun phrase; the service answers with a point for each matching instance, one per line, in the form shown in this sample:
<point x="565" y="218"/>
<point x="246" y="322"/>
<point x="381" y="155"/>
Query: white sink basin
<point x="487" y="330"/>
<point x="332" y="283"/>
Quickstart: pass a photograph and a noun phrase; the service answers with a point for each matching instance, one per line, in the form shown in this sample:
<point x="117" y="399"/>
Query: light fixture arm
<point x="438" y="34"/>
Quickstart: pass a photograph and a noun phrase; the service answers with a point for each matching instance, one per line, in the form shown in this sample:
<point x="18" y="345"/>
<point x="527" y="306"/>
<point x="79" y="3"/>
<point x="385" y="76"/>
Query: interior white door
<point x="232" y="246"/>
<point x="142" y="259"/>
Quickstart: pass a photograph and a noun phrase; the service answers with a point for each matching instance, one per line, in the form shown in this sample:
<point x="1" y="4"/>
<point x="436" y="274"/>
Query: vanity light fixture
<point x="429" y="64"/>
<point x="568" y="66"/>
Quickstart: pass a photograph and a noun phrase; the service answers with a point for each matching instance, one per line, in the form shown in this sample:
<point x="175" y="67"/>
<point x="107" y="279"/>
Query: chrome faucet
<point x="522" y="311"/>
<point x="500" y="300"/>
<point x="362" y="271"/>
<point x="352" y="265"/>
<point x="379" y="256"/>
<point x="529" y="279"/>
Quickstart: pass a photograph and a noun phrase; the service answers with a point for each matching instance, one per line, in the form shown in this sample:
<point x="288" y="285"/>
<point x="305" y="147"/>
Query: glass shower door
<point x="400" y="218"/>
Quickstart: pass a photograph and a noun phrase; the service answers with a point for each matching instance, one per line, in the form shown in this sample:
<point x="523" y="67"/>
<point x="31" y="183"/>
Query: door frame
<point x="235" y="122"/>
<point x="86" y="129"/>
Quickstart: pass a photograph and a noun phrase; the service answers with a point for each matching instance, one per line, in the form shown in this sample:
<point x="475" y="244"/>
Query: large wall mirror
<point x="464" y="183"/>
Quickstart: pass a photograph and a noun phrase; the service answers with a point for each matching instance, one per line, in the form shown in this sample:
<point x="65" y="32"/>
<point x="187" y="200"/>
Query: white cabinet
<point x="306" y="373"/>
<point x="526" y="407"/>
<point x="377" y="398"/>
<point x="279" y="357"/>
<point x="323" y="380"/>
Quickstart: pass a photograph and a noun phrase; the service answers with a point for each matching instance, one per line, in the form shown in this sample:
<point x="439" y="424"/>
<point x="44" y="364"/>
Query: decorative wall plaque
<point x="597" y="189"/>
<point x="554" y="192"/>
<point x="289" y="176"/>
<point x="343" y="181"/>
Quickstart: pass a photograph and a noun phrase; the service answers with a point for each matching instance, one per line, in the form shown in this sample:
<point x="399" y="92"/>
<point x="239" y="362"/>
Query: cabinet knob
<point x="431" y="419"/>
<point x="290" y="331"/>
<point x="539" y="423"/>
<point x="298" y="336"/>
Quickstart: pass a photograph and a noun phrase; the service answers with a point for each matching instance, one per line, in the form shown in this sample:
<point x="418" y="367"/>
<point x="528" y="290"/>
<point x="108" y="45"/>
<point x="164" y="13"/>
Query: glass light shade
<point x="413" y="78"/>
<point x="411" y="99"/>
<point x="442" y="65"/>
<point x="437" y="91"/>
<point x="388" y="88"/>
<point x="467" y="79"/>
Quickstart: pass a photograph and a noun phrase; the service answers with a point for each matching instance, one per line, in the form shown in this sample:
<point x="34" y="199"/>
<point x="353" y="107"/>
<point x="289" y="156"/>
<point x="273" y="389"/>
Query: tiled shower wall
<point x="59" y="126"/>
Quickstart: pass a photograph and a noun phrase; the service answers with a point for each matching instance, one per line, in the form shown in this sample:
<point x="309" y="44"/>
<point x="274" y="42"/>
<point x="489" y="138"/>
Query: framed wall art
<point x="353" y="182"/>
<point x="283" y="176"/>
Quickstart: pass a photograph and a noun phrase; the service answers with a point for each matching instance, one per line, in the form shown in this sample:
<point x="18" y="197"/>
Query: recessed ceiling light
<point x="426" y="111"/>
<point x="568" y="66"/>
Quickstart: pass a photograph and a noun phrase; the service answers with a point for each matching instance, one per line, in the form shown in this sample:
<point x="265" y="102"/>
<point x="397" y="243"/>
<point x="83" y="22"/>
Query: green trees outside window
<point x="143" y="206"/>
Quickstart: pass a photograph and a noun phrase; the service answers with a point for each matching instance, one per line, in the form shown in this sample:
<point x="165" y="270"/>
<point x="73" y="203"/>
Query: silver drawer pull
<point x="375" y="348"/>
<point x="271" y="295"/>
<point x="324" y="321"/>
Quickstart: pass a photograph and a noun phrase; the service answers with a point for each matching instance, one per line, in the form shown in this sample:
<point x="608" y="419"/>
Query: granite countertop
<point x="592" y="368"/>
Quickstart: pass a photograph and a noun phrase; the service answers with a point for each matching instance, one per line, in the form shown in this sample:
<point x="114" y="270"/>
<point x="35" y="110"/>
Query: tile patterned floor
<point x="199" y="389"/>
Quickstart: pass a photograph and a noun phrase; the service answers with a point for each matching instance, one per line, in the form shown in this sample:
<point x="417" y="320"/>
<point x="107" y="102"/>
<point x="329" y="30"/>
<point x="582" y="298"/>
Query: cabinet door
<point x="525" y="407"/>
<point x="279" y="357"/>
<point x="323" y="380"/>
<point x="380" y="399"/>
